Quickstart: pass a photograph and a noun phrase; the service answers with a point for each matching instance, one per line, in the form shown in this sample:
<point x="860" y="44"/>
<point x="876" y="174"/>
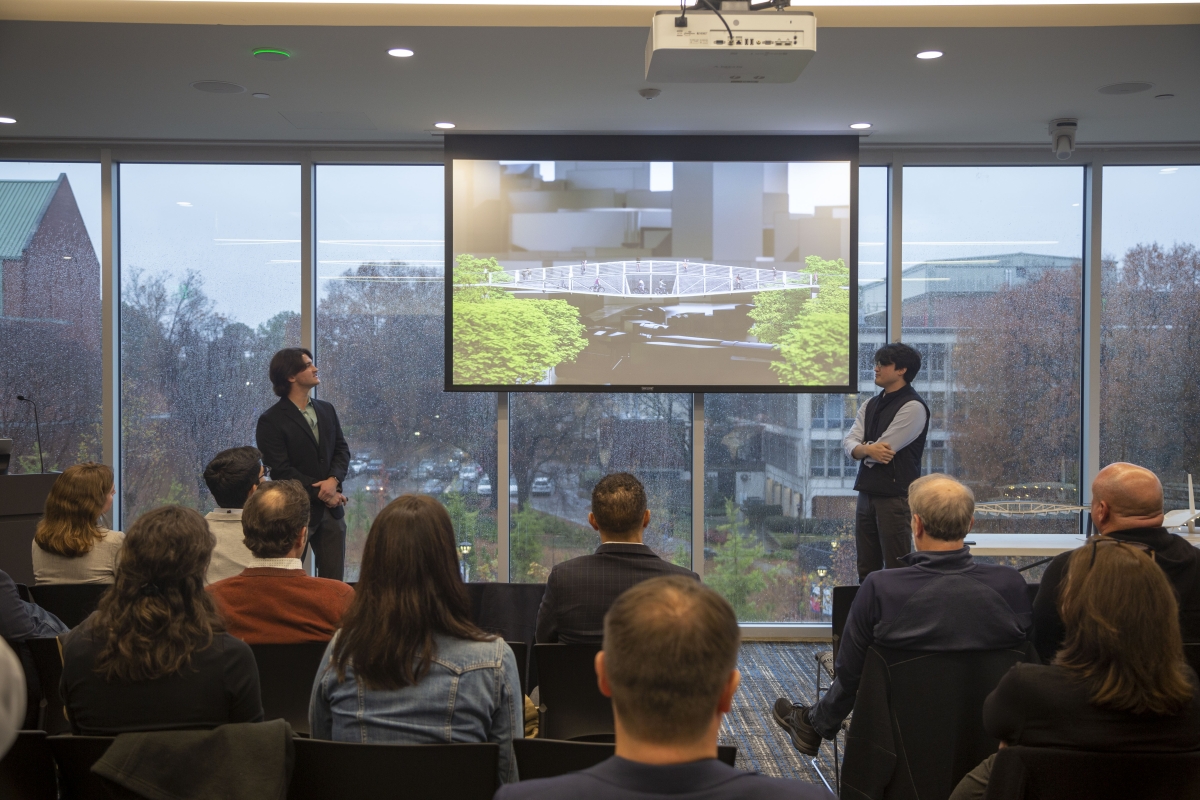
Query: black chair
<point x="548" y="758"/>
<point x="47" y="656"/>
<point x="570" y="705"/>
<point x="510" y="611"/>
<point x="917" y="727"/>
<point x="1043" y="773"/>
<point x="23" y="593"/>
<point x="1191" y="651"/>
<point x="285" y="678"/>
<point x="521" y="653"/>
<point x="843" y="598"/>
<point x="70" y="602"/>
<point x="394" y="771"/>
<point x="27" y="770"/>
<point x="75" y="756"/>
<point x="1032" y="588"/>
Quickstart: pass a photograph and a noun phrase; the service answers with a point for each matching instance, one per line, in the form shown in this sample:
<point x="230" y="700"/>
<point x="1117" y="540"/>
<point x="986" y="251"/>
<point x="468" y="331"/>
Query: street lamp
<point x="464" y="549"/>
<point x="821" y="571"/>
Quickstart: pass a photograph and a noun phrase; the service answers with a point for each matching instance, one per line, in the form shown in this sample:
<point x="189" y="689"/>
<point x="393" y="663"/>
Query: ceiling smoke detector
<point x="649" y="94"/>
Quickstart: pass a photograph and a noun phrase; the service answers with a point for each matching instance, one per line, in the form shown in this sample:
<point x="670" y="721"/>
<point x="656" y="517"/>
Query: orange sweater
<point x="266" y="605"/>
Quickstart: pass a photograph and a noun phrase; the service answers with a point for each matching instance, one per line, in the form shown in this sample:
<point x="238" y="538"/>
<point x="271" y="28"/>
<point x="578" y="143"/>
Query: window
<point x="774" y="522"/>
<point x="992" y="300"/>
<point x="380" y="344"/>
<point x="1150" y="333"/>
<point x="210" y="289"/>
<point x="560" y="445"/>
<point x="50" y="313"/>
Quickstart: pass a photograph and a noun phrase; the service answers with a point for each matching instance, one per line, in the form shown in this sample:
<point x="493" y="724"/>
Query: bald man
<point x="940" y="601"/>
<point x="1127" y="504"/>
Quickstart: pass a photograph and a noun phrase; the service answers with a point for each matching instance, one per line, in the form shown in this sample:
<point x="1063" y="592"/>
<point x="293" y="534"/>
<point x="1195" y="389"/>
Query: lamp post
<point x="821" y="573"/>
<point x="464" y="549"/>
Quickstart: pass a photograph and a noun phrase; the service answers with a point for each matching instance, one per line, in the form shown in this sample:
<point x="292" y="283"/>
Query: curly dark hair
<point x="409" y="589"/>
<point x="157" y="613"/>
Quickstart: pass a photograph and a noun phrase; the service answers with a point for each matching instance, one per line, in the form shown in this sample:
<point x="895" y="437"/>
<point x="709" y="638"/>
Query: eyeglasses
<point x="1097" y="541"/>
<point x="266" y="473"/>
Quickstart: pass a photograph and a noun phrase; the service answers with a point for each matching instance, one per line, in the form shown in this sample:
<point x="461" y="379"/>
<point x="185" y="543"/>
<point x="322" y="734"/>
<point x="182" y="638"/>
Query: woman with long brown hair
<point x="70" y="544"/>
<point x="155" y="654"/>
<point x="1119" y="684"/>
<point x="408" y="665"/>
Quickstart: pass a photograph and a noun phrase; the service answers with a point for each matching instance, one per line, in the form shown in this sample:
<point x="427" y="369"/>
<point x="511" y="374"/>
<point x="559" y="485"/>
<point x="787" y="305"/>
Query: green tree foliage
<point x="499" y="339"/>
<point x="735" y="575"/>
<point x="813" y="334"/>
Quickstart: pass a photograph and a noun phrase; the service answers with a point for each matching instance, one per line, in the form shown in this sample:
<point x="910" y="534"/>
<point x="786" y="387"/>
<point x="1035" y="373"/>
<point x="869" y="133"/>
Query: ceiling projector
<point x="730" y="46"/>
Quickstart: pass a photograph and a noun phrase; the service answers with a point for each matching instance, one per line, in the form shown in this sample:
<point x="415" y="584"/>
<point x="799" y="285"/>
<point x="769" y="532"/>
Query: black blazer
<point x="579" y="592"/>
<point x="291" y="452"/>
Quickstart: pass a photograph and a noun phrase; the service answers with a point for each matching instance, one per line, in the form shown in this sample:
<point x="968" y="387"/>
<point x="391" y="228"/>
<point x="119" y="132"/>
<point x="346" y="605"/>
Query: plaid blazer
<point x="579" y="592"/>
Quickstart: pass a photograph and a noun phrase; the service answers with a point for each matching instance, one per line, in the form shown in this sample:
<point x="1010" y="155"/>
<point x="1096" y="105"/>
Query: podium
<point x="22" y="501"/>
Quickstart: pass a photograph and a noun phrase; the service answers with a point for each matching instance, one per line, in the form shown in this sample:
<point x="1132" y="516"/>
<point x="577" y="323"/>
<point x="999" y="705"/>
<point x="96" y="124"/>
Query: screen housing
<point x="724" y="148"/>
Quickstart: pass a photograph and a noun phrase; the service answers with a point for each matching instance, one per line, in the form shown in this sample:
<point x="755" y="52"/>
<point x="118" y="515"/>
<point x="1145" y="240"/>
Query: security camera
<point x="1062" y="137"/>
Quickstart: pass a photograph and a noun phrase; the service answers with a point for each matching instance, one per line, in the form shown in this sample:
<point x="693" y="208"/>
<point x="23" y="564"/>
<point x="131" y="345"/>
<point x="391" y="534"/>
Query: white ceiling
<point x="995" y="85"/>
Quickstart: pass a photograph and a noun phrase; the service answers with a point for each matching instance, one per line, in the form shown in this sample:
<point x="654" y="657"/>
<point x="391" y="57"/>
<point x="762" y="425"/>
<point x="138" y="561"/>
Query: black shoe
<point x="794" y="719"/>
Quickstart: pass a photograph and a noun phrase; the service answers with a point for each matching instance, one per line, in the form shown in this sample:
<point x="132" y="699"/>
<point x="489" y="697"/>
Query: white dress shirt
<point x="905" y="428"/>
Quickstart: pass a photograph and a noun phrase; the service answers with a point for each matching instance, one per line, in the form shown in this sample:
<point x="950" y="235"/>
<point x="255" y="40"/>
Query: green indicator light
<point x="272" y="54"/>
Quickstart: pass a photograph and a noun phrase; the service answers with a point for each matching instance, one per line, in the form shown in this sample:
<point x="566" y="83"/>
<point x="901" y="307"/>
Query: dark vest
<point x="892" y="479"/>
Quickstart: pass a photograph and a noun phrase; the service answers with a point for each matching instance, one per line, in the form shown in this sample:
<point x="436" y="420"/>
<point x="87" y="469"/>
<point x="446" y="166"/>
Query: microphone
<point x="37" y="426"/>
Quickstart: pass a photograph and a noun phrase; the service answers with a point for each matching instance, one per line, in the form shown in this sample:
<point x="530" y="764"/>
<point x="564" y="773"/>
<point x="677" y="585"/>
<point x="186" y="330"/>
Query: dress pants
<point x="882" y="532"/>
<point x="328" y="544"/>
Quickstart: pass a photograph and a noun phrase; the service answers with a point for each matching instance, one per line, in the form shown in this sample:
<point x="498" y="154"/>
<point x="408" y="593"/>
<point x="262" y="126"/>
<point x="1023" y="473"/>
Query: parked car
<point x="424" y="469"/>
<point x="357" y="466"/>
<point x="374" y="486"/>
<point x="541" y="485"/>
<point x="375" y="465"/>
<point x="432" y="486"/>
<point x="484" y="487"/>
<point x="512" y="487"/>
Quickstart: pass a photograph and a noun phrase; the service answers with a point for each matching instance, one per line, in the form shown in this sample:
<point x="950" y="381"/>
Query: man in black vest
<point x="888" y="438"/>
<point x="301" y="439"/>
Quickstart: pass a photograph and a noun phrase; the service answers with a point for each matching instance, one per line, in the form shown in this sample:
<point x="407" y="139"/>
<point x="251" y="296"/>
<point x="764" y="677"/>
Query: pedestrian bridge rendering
<point x="639" y="278"/>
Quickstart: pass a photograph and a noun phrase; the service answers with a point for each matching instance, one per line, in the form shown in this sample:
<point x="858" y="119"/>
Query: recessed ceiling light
<point x="184" y="203"/>
<point x="261" y="96"/>
<point x="860" y="126"/>
<point x="400" y="52"/>
<point x="7" y="121"/>
<point x="444" y="125"/>
<point x="1168" y="171"/>
<point x="1132" y="87"/>
<point x="66" y="258"/>
<point x="928" y="54"/>
<point x="271" y="54"/>
<point x="218" y="87"/>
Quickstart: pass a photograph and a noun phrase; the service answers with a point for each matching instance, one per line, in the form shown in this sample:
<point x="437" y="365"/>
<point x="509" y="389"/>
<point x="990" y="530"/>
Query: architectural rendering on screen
<point x="590" y="273"/>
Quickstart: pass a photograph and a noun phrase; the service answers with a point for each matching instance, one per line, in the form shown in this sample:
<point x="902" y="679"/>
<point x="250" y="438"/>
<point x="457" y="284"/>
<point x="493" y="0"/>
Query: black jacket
<point x="579" y="592"/>
<point x="894" y="478"/>
<point x="1178" y="559"/>
<point x="291" y="452"/>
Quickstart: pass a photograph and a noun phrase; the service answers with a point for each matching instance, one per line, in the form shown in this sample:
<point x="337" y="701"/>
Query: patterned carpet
<point x="771" y="670"/>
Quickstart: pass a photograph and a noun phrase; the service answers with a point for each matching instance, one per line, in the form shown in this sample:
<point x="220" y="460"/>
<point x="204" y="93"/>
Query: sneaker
<point x="794" y="719"/>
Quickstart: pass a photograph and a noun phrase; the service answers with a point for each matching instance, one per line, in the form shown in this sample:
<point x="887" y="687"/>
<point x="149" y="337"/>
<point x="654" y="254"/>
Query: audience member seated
<point x="12" y="697"/>
<point x="1119" y="684"/>
<point x="232" y="478"/>
<point x="1127" y="504"/>
<point x="669" y="664"/>
<point x="943" y="601"/>
<point x="19" y="621"/>
<point x="408" y="665"/>
<point x="273" y="600"/>
<point x="579" y="592"/>
<point x="70" y="546"/>
<point x="155" y="654"/>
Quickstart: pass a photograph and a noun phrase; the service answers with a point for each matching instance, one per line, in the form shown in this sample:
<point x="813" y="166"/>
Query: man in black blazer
<point x="579" y="592"/>
<point x="301" y="439"/>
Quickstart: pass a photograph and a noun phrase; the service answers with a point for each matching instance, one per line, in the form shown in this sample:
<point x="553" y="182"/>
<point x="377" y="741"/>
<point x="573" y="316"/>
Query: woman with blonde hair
<point x="1120" y="683"/>
<point x="71" y="545"/>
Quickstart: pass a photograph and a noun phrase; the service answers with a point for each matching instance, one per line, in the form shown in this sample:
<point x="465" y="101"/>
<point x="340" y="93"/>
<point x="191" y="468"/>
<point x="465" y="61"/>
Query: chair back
<point x="47" y="657"/>
<point x="1032" y="590"/>
<point x="1191" y="651"/>
<point x="570" y="703"/>
<point x="75" y="756"/>
<point x="70" y="602"/>
<point x="843" y="598"/>
<point x="1042" y="773"/>
<point x="508" y="610"/>
<point x="27" y="770"/>
<point x="23" y="592"/>
<point x="521" y="653"/>
<point x="917" y="727"/>
<point x="549" y="758"/>
<point x="394" y="771"/>
<point x="285" y="679"/>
